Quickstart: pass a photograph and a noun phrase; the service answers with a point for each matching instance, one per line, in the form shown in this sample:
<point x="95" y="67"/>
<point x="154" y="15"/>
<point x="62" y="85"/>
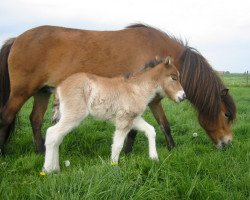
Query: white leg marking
<point x="117" y="145"/>
<point x="141" y="125"/>
<point x="71" y="116"/>
<point x="54" y="138"/>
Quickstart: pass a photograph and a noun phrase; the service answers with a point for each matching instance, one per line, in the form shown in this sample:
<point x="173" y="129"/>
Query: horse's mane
<point x="169" y="35"/>
<point x="202" y="85"/>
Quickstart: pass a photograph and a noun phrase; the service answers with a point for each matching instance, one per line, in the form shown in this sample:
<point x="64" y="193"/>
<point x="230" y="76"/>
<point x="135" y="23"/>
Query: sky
<point x="219" y="29"/>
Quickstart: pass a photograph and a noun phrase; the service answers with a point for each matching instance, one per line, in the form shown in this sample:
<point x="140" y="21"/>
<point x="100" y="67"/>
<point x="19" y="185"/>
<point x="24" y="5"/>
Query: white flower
<point x="195" y="134"/>
<point x="66" y="163"/>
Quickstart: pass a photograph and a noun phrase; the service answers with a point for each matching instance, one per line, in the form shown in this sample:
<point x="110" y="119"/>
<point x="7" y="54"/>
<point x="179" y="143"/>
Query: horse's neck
<point x="147" y="83"/>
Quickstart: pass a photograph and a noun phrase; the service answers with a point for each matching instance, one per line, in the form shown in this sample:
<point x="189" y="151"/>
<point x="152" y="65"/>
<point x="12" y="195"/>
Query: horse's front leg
<point x="41" y="100"/>
<point x="158" y="112"/>
<point x="160" y="117"/>
<point x="130" y="141"/>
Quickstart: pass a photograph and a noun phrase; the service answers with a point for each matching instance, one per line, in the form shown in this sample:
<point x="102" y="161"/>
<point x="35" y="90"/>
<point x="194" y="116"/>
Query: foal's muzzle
<point x="181" y="96"/>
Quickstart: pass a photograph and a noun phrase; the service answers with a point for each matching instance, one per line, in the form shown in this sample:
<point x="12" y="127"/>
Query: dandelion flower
<point x="66" y="163"/>
<point x="195" y="135"/>
<point x="42" y="174"/>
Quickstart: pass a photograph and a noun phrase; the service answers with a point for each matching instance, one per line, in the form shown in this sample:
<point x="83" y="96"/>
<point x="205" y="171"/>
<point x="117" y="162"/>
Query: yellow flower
<point x="42" y="174"/>
<point x="114" y="163"/>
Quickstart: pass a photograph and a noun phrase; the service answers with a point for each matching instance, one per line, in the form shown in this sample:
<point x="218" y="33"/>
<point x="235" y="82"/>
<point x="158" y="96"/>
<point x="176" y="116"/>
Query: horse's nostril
<point x="223" y="143"/>
<point x="184" y="96"/>
<point x="180" y="99"/>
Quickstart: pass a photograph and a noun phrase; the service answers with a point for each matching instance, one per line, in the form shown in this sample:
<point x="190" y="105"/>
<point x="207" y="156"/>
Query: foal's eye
<point x="174" y="77"/>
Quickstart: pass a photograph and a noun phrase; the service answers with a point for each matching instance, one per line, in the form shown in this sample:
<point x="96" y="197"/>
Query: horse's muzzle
<point x="225" y="141"/>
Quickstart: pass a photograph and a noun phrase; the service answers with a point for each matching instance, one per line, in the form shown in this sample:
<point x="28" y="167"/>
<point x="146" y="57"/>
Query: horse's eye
<point x="174" y="77"/>
<point x="227" y="114"/>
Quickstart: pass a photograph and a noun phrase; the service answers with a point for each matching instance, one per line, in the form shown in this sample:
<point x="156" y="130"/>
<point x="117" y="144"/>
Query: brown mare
<point x="42" y="57"/>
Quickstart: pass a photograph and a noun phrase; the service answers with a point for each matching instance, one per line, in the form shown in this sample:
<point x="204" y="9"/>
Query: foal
<point x="119" y="100"/>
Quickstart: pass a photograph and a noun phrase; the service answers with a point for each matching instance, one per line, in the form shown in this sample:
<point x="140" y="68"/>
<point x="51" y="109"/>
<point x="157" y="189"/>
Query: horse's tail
<point x="5" y="80"/>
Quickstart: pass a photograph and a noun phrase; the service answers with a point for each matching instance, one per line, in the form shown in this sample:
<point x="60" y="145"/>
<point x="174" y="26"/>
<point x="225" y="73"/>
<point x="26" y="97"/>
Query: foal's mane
<point x="148" y="65"/>
<point x="202" y="85"/>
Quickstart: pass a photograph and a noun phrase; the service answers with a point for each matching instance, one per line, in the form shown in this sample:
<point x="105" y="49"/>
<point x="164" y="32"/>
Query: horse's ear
<point x="224" y="92"/>
<point x="168" y="60"/>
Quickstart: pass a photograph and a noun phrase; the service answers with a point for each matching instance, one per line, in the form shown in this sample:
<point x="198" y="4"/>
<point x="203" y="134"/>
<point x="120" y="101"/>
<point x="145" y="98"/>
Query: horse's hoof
<point x="128" y="150"/>
<point x="41" y="151"/>
<point x="41" y="148"/>
<point x="2" y="152"/>
<point x="171" y="146"/>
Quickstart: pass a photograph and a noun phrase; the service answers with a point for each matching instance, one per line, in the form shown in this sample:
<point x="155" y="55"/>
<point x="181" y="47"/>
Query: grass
<point x="195" y="169"/>
<point x="236" y="80"/>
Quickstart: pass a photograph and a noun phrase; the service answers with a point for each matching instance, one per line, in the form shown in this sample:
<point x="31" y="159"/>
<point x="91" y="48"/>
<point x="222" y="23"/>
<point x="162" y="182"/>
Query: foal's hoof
<point x="46" y="171"/>
<point x="154" y="157"/>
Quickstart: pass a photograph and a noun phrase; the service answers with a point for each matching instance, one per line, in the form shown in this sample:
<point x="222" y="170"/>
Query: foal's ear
<point x="168" y="60"/>
<point x="224" y="92"/>
<point x="157" y="58"/>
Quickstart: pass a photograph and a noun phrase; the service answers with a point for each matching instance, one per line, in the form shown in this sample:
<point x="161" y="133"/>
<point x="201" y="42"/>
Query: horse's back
<point x="50" y="54"/>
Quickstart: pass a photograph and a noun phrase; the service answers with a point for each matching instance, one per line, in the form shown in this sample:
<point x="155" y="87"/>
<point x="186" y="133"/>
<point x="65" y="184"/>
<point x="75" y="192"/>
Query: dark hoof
<point x="128" y="150"/>
<point x="171" y="146"/>
<point x="41" y="150"/>
<point x="2" y="153"/>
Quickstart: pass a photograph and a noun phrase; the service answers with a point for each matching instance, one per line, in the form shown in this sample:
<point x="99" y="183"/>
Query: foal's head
<point x="170" y="80"/>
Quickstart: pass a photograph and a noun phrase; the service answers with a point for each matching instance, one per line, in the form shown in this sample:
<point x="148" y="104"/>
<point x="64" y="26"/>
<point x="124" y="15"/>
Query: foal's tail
<point x="5" y="81"/>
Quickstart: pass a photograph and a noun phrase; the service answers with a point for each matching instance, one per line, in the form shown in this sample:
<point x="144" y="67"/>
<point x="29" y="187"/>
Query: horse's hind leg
<point x="7" y="117"/>
<point x="41" y="100"/>
<point x="130" y="141"/>
<point x="55" y="111"/>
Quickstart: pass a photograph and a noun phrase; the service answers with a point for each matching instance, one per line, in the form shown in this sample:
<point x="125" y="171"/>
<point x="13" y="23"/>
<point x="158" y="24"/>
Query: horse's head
<point x="219" y="130"/>
<point x="170" y="79"/>
<point x="206" y="91"/>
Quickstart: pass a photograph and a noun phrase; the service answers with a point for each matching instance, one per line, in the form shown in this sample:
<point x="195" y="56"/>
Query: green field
<point x="195" y="169"/>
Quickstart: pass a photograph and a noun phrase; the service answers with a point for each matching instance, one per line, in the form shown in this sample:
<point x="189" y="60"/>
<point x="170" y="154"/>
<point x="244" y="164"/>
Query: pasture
<point x="195" y="169"/>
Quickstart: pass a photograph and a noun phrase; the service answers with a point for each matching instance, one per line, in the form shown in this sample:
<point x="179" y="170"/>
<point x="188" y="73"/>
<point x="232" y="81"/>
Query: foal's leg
<point x="54" y="138"/>
<point x="118" y="141"/>
<point x="160" y="117"/>
<point x="73" y="111"/>
<point x="41" y="100"/>
<point x="141" y="125"/>
<point x="158" y="112"/>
